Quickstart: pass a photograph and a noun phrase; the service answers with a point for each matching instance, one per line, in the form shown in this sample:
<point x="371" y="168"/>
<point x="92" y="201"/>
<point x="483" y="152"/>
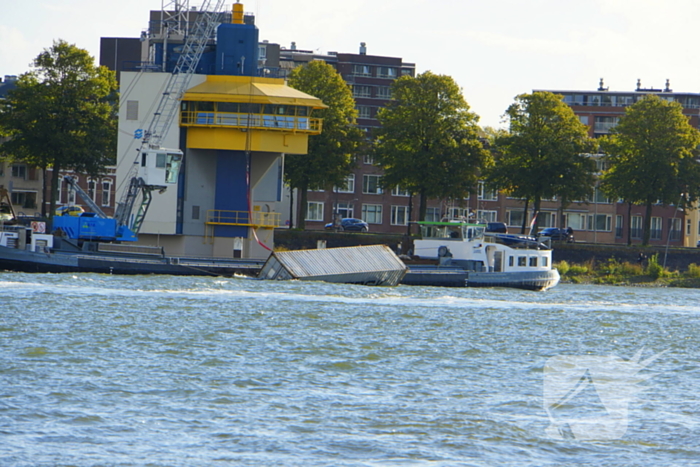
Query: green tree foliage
<point x="429" y="140"/>
<point x="544" y="153"/>
<point x="62" y="115"/>
<point x="330" y="156"/>
<point x="652" y="157"/>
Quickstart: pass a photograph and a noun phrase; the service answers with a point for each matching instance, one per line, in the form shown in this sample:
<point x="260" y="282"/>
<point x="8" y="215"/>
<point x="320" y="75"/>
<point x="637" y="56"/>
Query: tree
<point x="428" y="143"/>
<point x="330" y="156"/>
<point x="544" y="154"/>
<point x="62" y="115"/>
<point x="652" y="156"/>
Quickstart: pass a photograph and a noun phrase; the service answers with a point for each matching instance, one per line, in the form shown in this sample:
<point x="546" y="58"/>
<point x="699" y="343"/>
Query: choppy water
<point x="114" y="370"/>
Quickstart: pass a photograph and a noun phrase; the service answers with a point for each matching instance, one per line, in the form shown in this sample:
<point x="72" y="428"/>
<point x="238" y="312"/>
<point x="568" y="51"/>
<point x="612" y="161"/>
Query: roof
<point x="220" y="88"/>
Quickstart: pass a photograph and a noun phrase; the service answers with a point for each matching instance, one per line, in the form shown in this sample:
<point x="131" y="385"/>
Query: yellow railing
<point x="289" y="123"/>
<point x="265" y="220"/>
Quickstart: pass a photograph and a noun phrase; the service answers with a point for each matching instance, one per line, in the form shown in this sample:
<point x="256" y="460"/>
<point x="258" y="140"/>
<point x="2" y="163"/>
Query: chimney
<point x="668" y="86"/>
<point x="639" y="84"/>
<point x="363" y="48"/>
<point x="294" y="45"/>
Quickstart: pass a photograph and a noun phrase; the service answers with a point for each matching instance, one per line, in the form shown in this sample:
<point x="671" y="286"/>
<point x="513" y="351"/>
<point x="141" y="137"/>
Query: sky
<point x="493" y="49"/>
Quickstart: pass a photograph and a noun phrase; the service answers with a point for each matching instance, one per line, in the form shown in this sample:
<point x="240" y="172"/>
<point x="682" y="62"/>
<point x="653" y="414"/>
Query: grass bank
<point x="614" y="272"/>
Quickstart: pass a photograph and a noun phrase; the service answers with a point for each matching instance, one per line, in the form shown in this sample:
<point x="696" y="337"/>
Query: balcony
<point x="248" y="121"/>
<point x="257" y="219"/>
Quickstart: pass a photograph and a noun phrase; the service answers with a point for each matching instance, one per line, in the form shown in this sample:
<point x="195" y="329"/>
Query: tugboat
<point x="469" y="256"/>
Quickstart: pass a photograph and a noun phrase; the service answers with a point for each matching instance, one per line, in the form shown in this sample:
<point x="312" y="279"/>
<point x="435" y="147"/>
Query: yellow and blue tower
<point x="234" y="129"/>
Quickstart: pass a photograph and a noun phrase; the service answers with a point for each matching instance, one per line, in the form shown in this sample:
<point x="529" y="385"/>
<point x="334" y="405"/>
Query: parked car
<point x="69" y="211"/>
<point x="557" y="235"/>
<point x="351" y="225"/>
<point x="497" y="227"/>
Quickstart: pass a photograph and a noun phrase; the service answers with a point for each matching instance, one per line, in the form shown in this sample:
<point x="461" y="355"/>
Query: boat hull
<point x="13" y="259"/>
<point x="458" y="277"/>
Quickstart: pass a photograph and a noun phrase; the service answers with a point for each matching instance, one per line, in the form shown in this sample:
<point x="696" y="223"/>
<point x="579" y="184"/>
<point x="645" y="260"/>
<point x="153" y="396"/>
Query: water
<point x="116" y="370"/>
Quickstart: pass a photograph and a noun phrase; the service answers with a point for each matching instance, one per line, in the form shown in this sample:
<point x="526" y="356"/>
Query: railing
<point x="259" y="219"/>
<point x="252" y="121"/>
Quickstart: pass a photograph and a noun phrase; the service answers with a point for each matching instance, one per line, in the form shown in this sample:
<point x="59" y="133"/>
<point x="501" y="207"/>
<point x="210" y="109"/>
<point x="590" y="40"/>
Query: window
<point x="361" y="70"/>
<point x="262" y="52"/>
<point x="406" y="71"/>
<point x="618" y="226"/>
<point x="195" y="212"/>
<point x="106" y="192"/>
<point x="510" y="261"/>
<point x="348" y="186"/>
<point x="487" y="194"/>
<point x="674" y="227"/>
<point x="91" y="188"/>
<point x="547" y="219"/>
<point x="687" y="227"/>
<point x="359" y="90"/>
<point x="432" y="215"/>
<point x="372" y="213"/>
<point x="583" y="119"/>
<point x="367" y="159"/>
<point x="69" y="192"/>
<point x="387" y="72"/>
<point x="399" y="215"/>
<point x="19" y="171"/>
<point x="314" y="211"/>
<point x="132" y="110"/>
<point x="370" y="184"/>
<point x="545" y="261"/>
<point x="601" y="198"/>
<point x="600" y="222"/>
<point x="604" y="124"/>
<point x="384" y="92"/>
<point x="457" y="213"/>
<point x="575" y="220"/>
<point x="514" y="218"/>
<point x="26" y="199"/>
<point x="533" y="261"/>
<point x="345" y="210"/>
<point x="398" y="191"/>
<point x="656" y="226"/>
<point x="522" y="261"/>
<point x="636" y="226"/>
<point x="487" y="216"/>
<point x="364" y="111"/>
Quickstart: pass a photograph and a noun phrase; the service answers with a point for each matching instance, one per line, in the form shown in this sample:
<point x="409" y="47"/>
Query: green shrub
<point x="631" y="269"/>
<point x="693" y="270"/>
<point x="578" y="270"/>
<point x="654" y="269"/>
<point x="562" y="267"/>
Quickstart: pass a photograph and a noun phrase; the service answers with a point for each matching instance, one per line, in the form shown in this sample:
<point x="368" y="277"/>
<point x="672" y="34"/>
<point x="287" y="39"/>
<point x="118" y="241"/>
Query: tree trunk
<point x="291" y="207"/>
<point x="301" y="220"/>
<point x="43" y="191"/>
<point x="410" y="212"/>
<point x="55" y="179"/>
<point x="536" y="208"/>
<point x="423" y="205"/>
<point x="647" y="224"/>
<point x="525" y="208"/>
<point x="629" y="223"/>
<point x="563" y="204"/>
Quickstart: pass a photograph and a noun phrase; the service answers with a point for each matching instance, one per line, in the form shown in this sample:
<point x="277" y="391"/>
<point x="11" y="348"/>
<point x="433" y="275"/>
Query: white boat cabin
<point x="470" y="245"/>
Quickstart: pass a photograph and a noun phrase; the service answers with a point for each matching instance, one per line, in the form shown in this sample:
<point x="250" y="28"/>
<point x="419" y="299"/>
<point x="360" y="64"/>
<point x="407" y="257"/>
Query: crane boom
<point x="89" y="201"/>
<point x="200" y="34"/>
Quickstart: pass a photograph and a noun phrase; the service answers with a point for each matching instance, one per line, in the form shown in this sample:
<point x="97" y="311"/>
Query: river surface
<point x="170" y="371"/>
